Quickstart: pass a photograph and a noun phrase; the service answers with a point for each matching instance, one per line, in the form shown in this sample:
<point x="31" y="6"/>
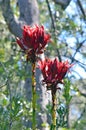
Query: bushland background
<point x="66" y="22"/>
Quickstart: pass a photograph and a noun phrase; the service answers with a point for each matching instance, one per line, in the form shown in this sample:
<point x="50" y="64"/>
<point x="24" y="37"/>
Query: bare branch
<point x="12" y="23"/>
<point x="51" y="16"/>
<point x="81" y="8"/>
<point x="29" y="14"/>
<point x="80" y="45"/>
<point x="54" y="27"/>
<point x="3" y="84"/>
<point x="63" y="3"/>
<point x="83" y="94"/>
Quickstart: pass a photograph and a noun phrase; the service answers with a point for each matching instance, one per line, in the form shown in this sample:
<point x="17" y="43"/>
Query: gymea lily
<point x="53" y="73"/>
<point x="33" y="42"/>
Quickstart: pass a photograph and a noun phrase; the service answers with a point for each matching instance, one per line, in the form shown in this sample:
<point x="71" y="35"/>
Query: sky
<point x="71" y="10"/>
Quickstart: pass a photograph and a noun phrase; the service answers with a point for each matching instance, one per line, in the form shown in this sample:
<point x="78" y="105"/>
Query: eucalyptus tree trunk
<point x="28" y="14"/>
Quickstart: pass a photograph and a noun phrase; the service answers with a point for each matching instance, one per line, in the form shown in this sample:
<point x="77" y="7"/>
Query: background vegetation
<point x="67" y="26"/>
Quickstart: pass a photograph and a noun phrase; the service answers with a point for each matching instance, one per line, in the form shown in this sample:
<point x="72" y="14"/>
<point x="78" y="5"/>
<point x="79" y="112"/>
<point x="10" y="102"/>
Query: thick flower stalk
<point x="34" y="95"/>
<point x="53" y="72"/>
<point x="33" y="43"/>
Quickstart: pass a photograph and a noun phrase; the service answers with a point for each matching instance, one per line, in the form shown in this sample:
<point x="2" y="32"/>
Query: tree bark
<point x="29" y="14"/>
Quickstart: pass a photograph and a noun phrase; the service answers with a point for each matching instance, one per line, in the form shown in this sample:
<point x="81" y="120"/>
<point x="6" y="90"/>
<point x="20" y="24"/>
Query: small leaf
<point x="2" y="54"/>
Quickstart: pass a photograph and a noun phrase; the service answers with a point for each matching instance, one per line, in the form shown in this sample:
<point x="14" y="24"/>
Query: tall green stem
<point x="54" y="102"/>
<point x="67" y="114"/>
<point x="33" y="96"/>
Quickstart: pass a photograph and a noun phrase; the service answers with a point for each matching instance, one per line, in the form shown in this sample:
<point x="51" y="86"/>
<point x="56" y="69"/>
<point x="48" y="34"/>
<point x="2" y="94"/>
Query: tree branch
<point x="78" y="48"/>
<point x="83" y="94"/>
<point x="3" y="84"/>
<point x="63" y="3"/>
<point x="81" y="8"/>
<point x="12" y="23"/>
<point x="54" y="27"/>
<point x="51" y="16"/>
<point x="29" y="14"/>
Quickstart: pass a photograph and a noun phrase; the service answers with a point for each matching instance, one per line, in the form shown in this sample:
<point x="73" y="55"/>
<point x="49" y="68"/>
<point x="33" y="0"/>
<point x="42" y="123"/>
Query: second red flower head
<point x="53" y="71"/>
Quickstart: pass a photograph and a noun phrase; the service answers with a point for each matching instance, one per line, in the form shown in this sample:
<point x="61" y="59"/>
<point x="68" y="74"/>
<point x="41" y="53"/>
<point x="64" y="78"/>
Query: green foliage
<point x="81" y="124"/>
<point x="66" y="93"/>
<point x="61" y="122"/>
<point x="15" y="110"/>
<point x="12" y="113"/>
<point x="65" y="129"/>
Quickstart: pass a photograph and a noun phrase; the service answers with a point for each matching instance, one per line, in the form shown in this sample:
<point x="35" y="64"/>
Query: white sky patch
<point x="71" y="9"/>
<point x="80" y="58"/>
<point x="71" y="41"/>
<point x="79" y="71"/>
<point x="73" y="12"/>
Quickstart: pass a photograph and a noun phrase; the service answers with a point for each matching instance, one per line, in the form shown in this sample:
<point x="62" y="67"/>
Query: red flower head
<point x="33" y="41"/>
<point x="53" y="71"/>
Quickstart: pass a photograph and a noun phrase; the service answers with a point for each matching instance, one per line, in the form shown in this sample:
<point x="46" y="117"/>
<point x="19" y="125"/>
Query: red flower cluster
<point x="33" y="41"/>
<point x="53" y="71"/>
